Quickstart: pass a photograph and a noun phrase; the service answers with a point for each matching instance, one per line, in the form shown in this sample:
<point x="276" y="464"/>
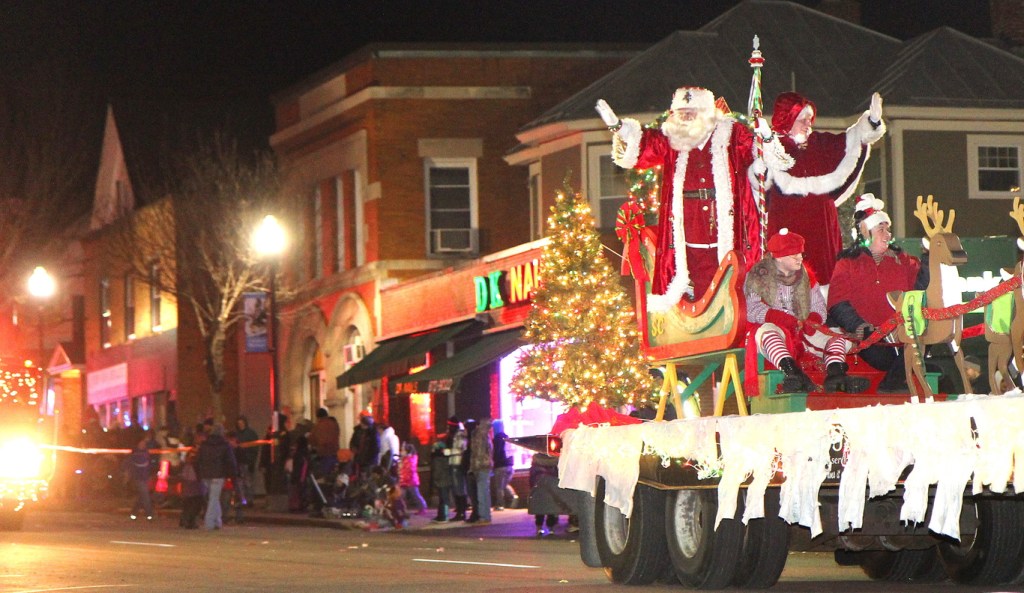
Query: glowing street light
<point x="269" y="242"/>
<point x="41" y="286"/>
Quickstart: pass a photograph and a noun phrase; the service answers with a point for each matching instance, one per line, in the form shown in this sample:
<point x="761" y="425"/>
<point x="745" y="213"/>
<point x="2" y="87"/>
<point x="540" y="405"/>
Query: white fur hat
<point x="870" y="213"/>
<point x="693" y="97"/>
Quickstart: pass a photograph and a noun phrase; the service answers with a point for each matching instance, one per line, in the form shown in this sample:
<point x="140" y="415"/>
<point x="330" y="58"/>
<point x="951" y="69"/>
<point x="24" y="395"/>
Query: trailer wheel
<point x="903" y="566"/>
<point x="587" y="536"/>
<point x="703" y="557"/>
<point x="632" y="550"/>
<point x="993" y="555"/>
<point x="765" y="547"/>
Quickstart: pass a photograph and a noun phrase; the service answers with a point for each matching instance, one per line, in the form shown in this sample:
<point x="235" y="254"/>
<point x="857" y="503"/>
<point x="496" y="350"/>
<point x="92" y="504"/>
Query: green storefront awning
<point x="394" y="357"/>
<point x="444" y="374"/>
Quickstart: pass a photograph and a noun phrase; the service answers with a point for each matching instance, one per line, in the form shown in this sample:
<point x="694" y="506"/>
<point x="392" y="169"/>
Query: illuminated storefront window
<point x="530" y="416"/>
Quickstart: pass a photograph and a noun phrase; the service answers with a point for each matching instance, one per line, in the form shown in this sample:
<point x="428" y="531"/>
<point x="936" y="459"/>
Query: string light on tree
<point x="586" y="346"/>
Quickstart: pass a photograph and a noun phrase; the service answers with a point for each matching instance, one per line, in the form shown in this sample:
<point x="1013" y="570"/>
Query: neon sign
<point x="506" y="287"/>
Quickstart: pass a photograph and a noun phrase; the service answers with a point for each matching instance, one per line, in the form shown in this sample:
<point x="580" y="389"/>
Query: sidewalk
<point x="506" y="523"/>
<point x="515" y="523"/>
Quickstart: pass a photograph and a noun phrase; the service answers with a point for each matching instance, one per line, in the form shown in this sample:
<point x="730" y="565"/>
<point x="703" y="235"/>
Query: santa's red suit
<point x="709" y="185"/>
<point x="825" y="172"/>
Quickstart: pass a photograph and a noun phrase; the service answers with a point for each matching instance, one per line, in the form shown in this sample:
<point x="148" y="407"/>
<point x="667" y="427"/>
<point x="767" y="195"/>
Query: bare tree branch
<point x="199" y="237"/>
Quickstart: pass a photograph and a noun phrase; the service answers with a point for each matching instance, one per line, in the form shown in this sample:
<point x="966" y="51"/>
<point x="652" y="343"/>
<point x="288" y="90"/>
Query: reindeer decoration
<point x="945" y="253"/>
<point x="1006" y="340"/>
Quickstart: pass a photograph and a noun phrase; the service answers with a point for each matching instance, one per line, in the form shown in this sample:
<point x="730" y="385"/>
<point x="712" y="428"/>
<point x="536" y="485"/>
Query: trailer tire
<point x="993" y="556"/>
<point x="587" y="536"/>
<point x="632" y="550"/>
<point x="765" y="547"/>
<point x="903" y="566"/>
<point x="703" y="557"/>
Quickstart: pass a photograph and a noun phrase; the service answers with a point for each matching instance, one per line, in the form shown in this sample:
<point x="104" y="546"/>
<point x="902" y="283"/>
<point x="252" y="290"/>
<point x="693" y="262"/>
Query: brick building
<point x="394" y="162"/>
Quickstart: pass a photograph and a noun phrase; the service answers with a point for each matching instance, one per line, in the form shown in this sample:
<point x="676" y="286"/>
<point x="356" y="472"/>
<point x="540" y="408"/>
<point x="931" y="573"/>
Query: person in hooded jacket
<point x="215" y="463"/>
<point x="503" y="468"/>
<point x="140" y="470"/>
<point x="456" y="443"/>
<point x="248" y="457"/>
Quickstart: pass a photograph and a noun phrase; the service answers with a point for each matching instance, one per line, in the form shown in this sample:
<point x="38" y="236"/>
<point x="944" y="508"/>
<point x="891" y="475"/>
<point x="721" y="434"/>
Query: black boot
<point x="895" y="380"/>
<point x="837" y="381"/>
<point x="795" y="381"/>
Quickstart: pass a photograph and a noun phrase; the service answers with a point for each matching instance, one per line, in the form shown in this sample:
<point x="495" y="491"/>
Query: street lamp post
<point x="269" y="242"/>
<point x="41" y="286"/>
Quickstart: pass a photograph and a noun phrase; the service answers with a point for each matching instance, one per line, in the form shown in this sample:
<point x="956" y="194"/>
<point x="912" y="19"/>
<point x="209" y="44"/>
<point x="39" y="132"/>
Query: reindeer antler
<point x="1018" y="214"/>
<point x="931" y="217"/>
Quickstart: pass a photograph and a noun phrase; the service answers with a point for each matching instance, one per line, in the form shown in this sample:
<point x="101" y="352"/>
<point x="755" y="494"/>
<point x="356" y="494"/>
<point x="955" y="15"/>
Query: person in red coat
<point x="824" y="173"/>
<point x="864" y="275"/>
<point x="706" y="208"/>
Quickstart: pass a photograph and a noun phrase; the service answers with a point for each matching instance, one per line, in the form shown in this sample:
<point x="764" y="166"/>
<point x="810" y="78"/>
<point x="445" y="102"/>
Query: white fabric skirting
<point x="881" y="442"/>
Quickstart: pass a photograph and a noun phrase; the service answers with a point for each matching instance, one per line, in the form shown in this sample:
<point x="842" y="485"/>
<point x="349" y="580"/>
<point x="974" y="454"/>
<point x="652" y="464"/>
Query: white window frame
<point x="594" y="190"/>
<point x="318" y="233"/>
<point x="339" y="221"/>
<point x="974" y="141"/>
<point x="358" y="223"/>
<point x="105" y="313"/>
<point x="155" y="299"/>
<point x="129" y="307"/>
<point x="538" y="218"/>
<point x="453" y="163"/>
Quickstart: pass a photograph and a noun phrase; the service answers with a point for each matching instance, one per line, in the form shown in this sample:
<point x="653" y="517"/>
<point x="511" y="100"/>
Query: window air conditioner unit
<point x="454" y="240"/>
<point x="353" y="353"/>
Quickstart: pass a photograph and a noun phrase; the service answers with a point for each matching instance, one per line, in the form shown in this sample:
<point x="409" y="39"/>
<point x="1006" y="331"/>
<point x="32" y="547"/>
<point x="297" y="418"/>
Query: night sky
<point x="212" y="60"/>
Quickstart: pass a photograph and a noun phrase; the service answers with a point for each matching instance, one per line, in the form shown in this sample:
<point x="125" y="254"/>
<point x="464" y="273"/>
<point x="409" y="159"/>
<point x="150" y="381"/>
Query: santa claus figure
<point x="825" y="171"/>
<point x="705" y="204"/>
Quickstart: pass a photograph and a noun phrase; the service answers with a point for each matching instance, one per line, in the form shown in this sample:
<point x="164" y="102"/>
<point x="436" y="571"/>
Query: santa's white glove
<point x="758" y="167"/>
<point x="607" y="115"/>
<point x="875" y="111"/>
<point x="762" y="128"/>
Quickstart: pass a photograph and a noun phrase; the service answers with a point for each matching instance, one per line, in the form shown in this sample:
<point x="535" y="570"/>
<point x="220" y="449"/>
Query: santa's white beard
<point x="801" y="138"/>
<point x="687" y="135"/>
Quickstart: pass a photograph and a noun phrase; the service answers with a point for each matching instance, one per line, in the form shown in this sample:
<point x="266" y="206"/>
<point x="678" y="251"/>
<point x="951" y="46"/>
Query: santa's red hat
<point x="693" y="97"/>
<point x="785" y="243"/>
<point x="787" y="108"/>
<point x="869" y="213"/>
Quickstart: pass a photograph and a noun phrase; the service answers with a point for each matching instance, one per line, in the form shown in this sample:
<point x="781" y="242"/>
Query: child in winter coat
<point x="409" y="478"/>
<point x="394" y="511"/>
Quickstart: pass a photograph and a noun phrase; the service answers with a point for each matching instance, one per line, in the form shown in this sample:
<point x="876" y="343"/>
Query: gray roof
<point x="946" y="68"/>
<point x="836" y="63"/>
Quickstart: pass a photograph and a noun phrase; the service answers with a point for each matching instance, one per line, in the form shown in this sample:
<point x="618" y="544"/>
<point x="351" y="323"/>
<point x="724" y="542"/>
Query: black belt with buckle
<point x="700" y="194"/>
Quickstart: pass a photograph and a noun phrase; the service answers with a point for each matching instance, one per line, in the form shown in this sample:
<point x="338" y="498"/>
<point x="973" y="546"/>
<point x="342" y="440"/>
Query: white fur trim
<point x="723" y="185"/>
<point x="874" y="220"/>
<point x="626" y="144"/>
<point x="861" y="134"/>
<point x="699" y="98"/>
<point x="680" y="283"/>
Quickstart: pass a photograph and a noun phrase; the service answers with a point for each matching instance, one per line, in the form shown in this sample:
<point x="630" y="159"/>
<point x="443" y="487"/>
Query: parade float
<point x="915" y="486"/>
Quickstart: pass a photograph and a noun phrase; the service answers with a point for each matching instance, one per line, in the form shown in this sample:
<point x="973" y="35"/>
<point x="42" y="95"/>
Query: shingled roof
<point x="829" y="59"/>
<point x="946" y="68"/>
<point x="836" y="63"/>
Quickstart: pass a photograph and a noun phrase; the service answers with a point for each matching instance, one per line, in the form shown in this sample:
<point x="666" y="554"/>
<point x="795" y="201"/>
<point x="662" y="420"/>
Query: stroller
<point x="337" y="495"/>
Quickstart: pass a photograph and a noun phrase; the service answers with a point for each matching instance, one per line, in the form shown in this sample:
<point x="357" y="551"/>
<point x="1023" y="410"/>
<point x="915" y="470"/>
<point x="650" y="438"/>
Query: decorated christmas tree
<point x="586" y="346"/>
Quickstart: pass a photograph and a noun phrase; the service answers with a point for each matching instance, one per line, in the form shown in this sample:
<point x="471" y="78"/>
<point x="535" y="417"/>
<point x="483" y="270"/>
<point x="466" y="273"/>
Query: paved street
<point x="104" y="551"/>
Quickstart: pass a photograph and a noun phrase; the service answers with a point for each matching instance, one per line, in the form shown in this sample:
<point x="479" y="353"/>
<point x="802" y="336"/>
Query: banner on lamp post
<point x="257" y="321"/>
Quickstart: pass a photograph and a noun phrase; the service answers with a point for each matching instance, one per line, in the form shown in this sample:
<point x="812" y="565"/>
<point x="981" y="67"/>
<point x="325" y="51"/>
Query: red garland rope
<point x="930" y="313"/>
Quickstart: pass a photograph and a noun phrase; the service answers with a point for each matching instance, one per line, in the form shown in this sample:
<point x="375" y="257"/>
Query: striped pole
<point x="755" y="104"/>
